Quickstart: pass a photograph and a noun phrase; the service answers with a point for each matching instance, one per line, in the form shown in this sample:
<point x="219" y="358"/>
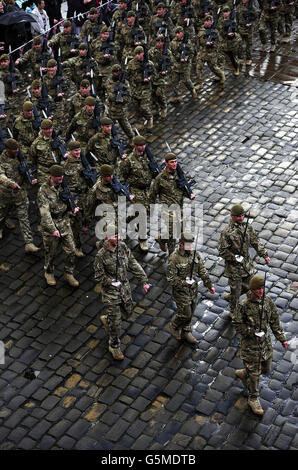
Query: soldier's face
<point x="161" y="11"/>
<point x="83" y="52"/>
<point x="85" y="91"/>
<point x="52" y="71"/>
<point x="112" y="241"/>
<point x="89" y="108"/>
<point x="93" y="17"/>
<point x="171" y="165"/>
<point x="37" y="47"/>
<point x="67" y="29"/>
<point x="258" y="293"/>
<point x="37" y="91"/>
<point x="105" y="36"/>
<point x="12" y="153"/>
<point x="56" y="180"/>
<point x="179" y="35"/>
<point x="208" y="24"/>
<point x="28" y="114"/>
<point x="140" y="149"/>
<point x="131" y="20"/>
<point x="140" y="56"/>
<point x="159" y="44"/>
<point x="122" y="5"/>
<point x="4" y="64"/>
<point x="47" y="132"/>
<point x="107" y="179"/>
<point x="75" y="153"/>
<point x="238" y="219"/>
<point x="106" y="129"/>
<point x="226" y="14"/>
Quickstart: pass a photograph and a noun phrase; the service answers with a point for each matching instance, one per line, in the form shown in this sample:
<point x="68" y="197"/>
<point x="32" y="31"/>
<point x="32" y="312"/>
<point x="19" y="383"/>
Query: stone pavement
<point x="60" y="388"/>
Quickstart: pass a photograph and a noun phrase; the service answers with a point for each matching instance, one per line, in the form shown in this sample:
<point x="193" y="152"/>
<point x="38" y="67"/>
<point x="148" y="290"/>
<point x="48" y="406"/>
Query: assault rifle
<point x="182" y="182"/>
<point x="98" y="106"/>
<point x="108" y="47"/>
<point x="147" y="69"/>
<point x="121" y="89"/>
<point x="97" y="28"/>
<point x="116" y="143"/>
<point x="13" y="78"/>
<point x="37" y="119"/>
<point x="184" y="49"/>
<point x="58" y="80"/>
<point x="240" y="257"/>
<point x="44" y="56"/>
<point x="23" y="166"/>
<point x="248" y="15"/>
<point x="2" y="140"/>
<point x="44" y="104"/>
<point x="153" y="165"/>
<point x="73" y="39"/>
<point x="120" y="188"/>
<point x="165" y="61"/>
<point x="211" y="34"/>
<point x="87" y="172"/>
<point x="87" y="61"/>
<point x="231" y="23"/>
<point x="57" y="143"/>
<point x="65" y="195"/>
<point x="137" y="34"/>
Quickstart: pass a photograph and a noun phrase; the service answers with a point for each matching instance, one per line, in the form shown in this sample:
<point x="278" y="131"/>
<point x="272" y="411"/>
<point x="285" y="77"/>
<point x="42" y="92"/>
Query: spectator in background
<point x="43" y="23"/>
<point x="15" y="34"/>
<point x="53" y="9"/>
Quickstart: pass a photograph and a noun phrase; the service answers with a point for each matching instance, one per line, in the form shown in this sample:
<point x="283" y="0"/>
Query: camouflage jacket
<point x="165" y="186"/>
<point x="179" y="268"/>
<point x="135" y="76"/>
<point x="100" y="144"/>
<point x="230" y="245"/>
<point x="156" y="56"/>
<point x="202" y="40"/>
<point x="10" y="174"/>
<point x="107" y="262"/>
<point x="90" y="28"/>
<point x="158" y="25"/>
<point x="111" y="95"/>
<point x="54" y="213"/>
<point x="101" y="193"/>
<point x="42" y="153"/>
<point x="63" y="41"/>
<point x="5" y="77"/>
<point x="33" y="58"/>
<point x="76" y="104"/>
<point x="135" y="170"/>
<point x="52" y="86"/>
<point x="175" y="47"/>
<point x="75" y="69"/>
<point x="98" y="52"/>
<point x="82" y="126"/>
<point x="241" y="20"/>
<point x="247" y="321"/>
<point x="268" y="12"/>
<point x="127" y="40"/>
<point x="73" y="172"/>
<point x="23" y="130"/>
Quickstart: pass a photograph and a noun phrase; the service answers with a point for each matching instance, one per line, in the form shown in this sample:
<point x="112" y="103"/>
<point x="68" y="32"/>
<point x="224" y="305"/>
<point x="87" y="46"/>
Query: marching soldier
<point x="77" y="101"/>
<point x="56" y="88"/>
<point x="84" y="125"/>
<point x="23" y="128"/>
<point x="65" y="41"/>
<point x="245" y="18"/>
<point x="35" y="58"/>
<point x="104" y="52"/>
<point x="90" y="27"/>
<point x="79" y="67"/>
<point x="269" y="20"/>
<point x="162" y="22"/>
<point x="118" y="96"/>
<point x="111" y="266"/>
<point x="55" y="226"/>
<point x="12" y="89"/>
<point x="256" y="314"/>
<point x="101" y="144"/>
<point x="234" y="244"/>
<point x="13" y="193"/>
<point x="183" y="267"/>
<point x="130" y="37"/>
<point x="170" y="193"/>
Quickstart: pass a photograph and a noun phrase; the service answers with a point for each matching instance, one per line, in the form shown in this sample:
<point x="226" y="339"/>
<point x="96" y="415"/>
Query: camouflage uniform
<point x="75" y="70"/>
<point x="78" y="186"/>
<point x="118" y="302"/>
<point x="178" y="15"/>
<point x="144" y="14"/>
<point x="141" y="91"/>
<point x="105" y="64"/>
<point x="62" y="40"/>
<point x="239" y="274"/>
<point x="160" y="81"/>
<point x="42" y="156"/>
<point x="101" y="193"/>
<point x="181" y="70"/>
<point x="126" y="41"/>
<point x="9" y="197"/>
<point x="165" y="186"/>
<point x="209" y="54"/>
<point x="269" y="20"/>
<point x="179" y="268"/>
<point x="24" y="132"/>
<point x="83" y="127"/>
<point x="100" y="144"/>
<point x="117" y="110"/>
<point x="246" y="33"/>
<point x="33" y="59"/>
<point x="158" y="26"/>
<point x="286" y="19"/>
<point x="90" y="28"/>
<point x="229" y="45"/>
<point x="256" y="354"/>
<point x="76" y="104"/>
<point x="12" y="100"/>
<point x="54" y="216"/>
<point x="60" y="102"/>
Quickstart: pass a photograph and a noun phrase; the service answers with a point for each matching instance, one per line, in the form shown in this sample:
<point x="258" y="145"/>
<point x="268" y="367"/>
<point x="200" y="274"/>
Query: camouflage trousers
<point x="142" y="106"/>
<point x="285" y="22"/>
<point x="247" y="43"/>
<point x="115" y="313"/>
<point x="159" y="96"/>
<point x="268" y="23"/>
<point x="123" y="121"/>
<point x="212" y="62"/>
<point x="230" y="50"/>
<point x="78" y="221"/>
<point x="254" y="369"/>
<point x="186" y="301"/>
<point x="51" y="244"/>
<point x="182" y="77"/>
<point x="238" y="287"/>
<point x="172" y="222"/>
<point x="20" y="205"/>
<point x="141" y="197"/>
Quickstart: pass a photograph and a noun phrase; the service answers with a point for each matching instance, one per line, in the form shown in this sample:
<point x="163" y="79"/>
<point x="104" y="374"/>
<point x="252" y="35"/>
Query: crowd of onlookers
<point x="47" y="14"/>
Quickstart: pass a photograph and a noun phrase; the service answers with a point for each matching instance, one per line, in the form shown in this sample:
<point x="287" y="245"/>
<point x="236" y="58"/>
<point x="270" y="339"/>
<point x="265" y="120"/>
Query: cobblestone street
<point x="60" y="387"/>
